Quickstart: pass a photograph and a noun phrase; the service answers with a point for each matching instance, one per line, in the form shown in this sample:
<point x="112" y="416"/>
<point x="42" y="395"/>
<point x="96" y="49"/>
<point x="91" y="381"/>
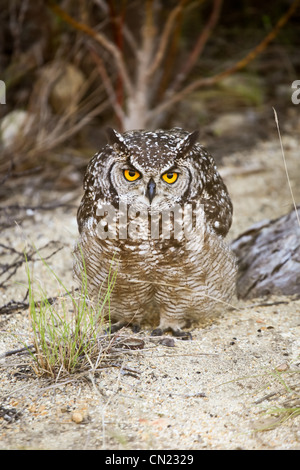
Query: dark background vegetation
<point x="71" y="107"/>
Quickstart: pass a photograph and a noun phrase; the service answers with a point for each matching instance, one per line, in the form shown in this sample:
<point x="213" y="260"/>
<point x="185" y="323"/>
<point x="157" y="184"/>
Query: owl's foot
<point x="174" y="331"/>
<point x="115" y="327"/>
<point x="135" y="327"/>
<point x="121" y="324"/>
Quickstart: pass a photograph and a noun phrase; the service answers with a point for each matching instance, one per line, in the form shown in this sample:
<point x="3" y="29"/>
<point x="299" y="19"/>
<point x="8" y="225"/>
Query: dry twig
<point x="9" y="269"/>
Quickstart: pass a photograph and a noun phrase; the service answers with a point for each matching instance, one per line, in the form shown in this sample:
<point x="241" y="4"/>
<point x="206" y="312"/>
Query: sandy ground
<point x="217" y="391"/>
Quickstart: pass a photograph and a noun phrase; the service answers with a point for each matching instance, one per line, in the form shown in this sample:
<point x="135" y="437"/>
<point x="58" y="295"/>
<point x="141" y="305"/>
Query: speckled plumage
<point x="168" y="283"/>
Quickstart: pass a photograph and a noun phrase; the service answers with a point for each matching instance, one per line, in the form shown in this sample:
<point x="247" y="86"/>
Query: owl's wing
<point x="217" y="203"/>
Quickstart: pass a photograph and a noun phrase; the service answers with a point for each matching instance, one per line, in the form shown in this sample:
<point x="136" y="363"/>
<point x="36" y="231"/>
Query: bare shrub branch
<point x="200" y="44"/>
<point x="101" y="39"/>
<point x="173" y="98"/>
<point x="151" y="71"/>
<point x="165" y="36"/>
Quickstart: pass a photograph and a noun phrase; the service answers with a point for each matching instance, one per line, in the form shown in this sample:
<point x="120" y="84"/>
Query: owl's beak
<point x="151" y="190"/>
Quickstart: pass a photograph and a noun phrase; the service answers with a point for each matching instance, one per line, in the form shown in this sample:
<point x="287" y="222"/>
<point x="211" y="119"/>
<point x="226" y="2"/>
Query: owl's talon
<point x="135" y="328"/>
<point x="157" y="332"/>
<point x="119" y="325"/>
<point x="178" y="333"/>
<point x="184" y="335"/>
<point x="115" y="327"/>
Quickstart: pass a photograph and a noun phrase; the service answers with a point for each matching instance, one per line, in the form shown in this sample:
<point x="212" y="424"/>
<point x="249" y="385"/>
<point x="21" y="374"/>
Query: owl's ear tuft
<point x="187" y="142"/>
<point x="114" y="137"/>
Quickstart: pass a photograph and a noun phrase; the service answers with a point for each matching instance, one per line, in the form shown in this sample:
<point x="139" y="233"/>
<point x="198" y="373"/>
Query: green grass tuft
<point x="67" y="334"/>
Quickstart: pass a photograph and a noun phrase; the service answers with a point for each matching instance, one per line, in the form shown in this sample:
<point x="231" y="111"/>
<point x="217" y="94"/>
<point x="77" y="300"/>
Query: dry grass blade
<point x="286" y="169"/>
<point x="281" y="384"/>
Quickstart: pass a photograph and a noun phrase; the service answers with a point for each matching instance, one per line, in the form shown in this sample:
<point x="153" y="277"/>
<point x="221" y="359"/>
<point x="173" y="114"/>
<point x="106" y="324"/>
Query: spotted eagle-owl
<point x="161" y="279"/>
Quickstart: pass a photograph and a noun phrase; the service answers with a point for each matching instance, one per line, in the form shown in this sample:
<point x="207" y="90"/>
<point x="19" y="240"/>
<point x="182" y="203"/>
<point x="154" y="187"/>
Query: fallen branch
<point x="13" y="305"/>
<point x="17" y="351"/>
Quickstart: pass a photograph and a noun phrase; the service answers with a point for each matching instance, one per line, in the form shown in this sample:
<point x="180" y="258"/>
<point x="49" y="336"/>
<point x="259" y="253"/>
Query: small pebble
<point x="282" y="367"/>
<point x="169" y="342"/>
<point x="77" y="417"/>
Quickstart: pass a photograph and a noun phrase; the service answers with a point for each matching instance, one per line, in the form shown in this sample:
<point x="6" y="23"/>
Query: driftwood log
<point x="268" y="256"/>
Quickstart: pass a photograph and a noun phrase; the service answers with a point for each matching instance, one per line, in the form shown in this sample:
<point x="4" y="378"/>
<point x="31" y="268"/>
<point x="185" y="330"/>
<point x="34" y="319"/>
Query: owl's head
<point x="153" y="169"/>
<point x="155" y="172"/>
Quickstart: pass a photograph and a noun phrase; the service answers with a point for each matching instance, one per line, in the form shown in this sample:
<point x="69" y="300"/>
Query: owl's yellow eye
<point x="170" y="177"/>
<point x="131" y="175"/>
